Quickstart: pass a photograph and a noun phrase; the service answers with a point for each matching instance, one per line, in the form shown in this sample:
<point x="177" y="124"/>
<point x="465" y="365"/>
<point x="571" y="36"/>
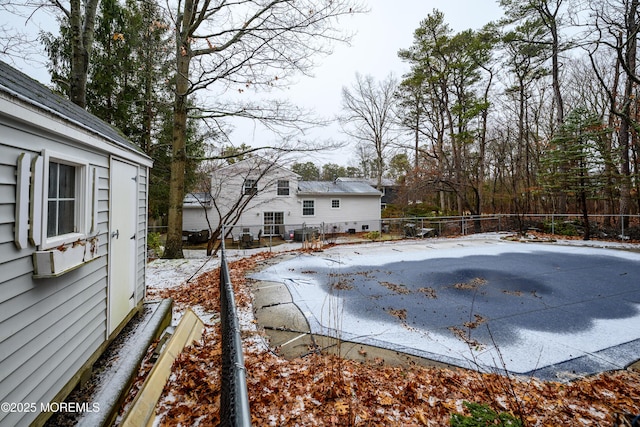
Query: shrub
<point x="563" y="228"/>
<point x="482" y="415"/>
<point x="154" y="244"/>
<point x="372" y="235"/>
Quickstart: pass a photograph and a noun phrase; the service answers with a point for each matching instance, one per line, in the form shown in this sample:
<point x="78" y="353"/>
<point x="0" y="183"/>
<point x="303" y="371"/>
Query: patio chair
<point x="246" y="240"/>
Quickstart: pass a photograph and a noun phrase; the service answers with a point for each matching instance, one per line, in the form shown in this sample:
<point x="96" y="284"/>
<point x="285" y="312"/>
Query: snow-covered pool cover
<point x="534" y="309"/>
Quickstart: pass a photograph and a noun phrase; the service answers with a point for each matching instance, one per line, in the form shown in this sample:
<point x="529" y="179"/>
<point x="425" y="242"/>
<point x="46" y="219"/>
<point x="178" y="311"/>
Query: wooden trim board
<point x="142" y="410"/>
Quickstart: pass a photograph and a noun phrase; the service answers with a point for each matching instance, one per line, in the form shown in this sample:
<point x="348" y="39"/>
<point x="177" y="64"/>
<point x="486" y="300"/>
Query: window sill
<point x="58" y="261"/>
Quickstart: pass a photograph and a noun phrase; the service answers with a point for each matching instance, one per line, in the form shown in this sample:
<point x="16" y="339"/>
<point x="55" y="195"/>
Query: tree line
<point x="534" y="113"/>
<point x="537" y="112"/>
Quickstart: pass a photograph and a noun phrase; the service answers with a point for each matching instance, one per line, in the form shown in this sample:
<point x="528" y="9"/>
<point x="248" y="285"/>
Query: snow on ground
<point x="529" y="350"/>
<point x="595" y="347"/>
<point x="168" y="273"/>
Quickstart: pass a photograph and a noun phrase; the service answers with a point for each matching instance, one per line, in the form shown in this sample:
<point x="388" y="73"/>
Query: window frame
<point x="313" y="207"/>
<point x="272" y="223"/>
<point x="281" y="188"/>
<point x="333" y="203"/>
<point x="250" y="190"/>
<point x="82" y="200"/>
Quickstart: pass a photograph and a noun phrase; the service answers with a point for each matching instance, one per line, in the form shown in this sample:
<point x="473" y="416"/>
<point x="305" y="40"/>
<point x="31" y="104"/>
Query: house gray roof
<point x="20" y="86"/>
<point x="327" y="188"/>
<point x="197" y="200"/>
<point x="386" y="182"/>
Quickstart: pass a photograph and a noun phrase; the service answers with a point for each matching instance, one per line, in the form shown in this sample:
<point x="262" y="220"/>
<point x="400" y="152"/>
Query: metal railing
<point x="234" y="399"/>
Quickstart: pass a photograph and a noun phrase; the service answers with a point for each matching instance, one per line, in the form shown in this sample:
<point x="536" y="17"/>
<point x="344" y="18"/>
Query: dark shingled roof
<point x="18" y="85"/>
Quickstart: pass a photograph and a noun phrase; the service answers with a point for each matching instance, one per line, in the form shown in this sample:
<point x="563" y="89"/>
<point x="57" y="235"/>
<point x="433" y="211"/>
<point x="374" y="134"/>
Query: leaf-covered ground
<point x="327" y="390"/>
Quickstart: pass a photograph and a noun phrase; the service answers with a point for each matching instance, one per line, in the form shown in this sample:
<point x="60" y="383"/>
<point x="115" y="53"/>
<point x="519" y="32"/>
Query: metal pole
<point x="234" y="396"/>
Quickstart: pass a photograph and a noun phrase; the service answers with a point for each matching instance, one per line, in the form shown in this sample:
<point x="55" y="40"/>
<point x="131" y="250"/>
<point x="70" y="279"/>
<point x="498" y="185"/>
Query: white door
<point x="122" y="242"/>
<point x="273" y="223"/>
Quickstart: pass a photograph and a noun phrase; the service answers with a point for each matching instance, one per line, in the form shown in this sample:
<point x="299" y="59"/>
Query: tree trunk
<point x="583" y="206"/>
<point x="625" y="124"/>
<point x="82" y="33"/>
<point x="176" y="184"/>
<point x="610" y="167"/>
<point x="551" y="21"/>
<point x="173" y="247"/>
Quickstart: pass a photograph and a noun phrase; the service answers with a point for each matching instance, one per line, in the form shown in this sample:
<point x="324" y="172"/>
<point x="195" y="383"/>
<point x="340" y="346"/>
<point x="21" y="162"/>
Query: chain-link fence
<point x="234" y="397"/>
<point x="244" y="236"/>
<point x="621" y="227"/>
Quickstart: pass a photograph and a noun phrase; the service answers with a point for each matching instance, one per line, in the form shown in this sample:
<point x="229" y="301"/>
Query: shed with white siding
<point x="73" y="230"/>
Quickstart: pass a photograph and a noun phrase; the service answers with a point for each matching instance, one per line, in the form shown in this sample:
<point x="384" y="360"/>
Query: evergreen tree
<point x="308" y="171"/>
<point x="440" y="100"/>
<point x="331" y="171"/>
<point x="574" y="164"/>
<point x="128" y="85"/>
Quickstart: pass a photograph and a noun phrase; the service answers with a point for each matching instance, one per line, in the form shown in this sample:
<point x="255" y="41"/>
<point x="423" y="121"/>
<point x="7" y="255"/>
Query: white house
<point x="73" y="230"/>
<point x="273" y="201"/>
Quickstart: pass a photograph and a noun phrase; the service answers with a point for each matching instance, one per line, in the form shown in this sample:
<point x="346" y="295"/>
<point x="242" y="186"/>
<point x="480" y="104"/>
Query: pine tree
<point x="574" y="164"/>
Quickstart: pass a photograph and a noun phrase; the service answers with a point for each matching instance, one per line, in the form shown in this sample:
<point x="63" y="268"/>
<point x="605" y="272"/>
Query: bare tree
<point x="616" y="24"/>
<point x="238" y="45"/>
<point x="81" y="16"/>
<point x="368" y="115"/>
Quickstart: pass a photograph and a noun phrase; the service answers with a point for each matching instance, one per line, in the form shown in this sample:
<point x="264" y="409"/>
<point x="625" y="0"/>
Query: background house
<point x="389" y="188"/>
<point x="258" y="196"/>
<point x="73" y="222"/>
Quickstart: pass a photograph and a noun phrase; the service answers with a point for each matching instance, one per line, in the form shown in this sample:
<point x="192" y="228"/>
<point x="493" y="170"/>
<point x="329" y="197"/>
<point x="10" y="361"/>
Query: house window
<point x="61" y="200"/>
<point x="335" y="204"/>
<point x="283" y="187"/>
<point x="250" y="187"/>
<point x="67" y="208"/>
<point x="308" y="207"/>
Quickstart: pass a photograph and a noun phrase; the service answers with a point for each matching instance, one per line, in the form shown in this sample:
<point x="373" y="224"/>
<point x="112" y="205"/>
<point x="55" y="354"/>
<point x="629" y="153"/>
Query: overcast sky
<point x="388" y="27"/>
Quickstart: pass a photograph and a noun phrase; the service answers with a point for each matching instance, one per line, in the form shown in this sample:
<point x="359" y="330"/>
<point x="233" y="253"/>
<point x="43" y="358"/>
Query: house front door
<point x="122" y="242"/>
<point x="273" y="223"/>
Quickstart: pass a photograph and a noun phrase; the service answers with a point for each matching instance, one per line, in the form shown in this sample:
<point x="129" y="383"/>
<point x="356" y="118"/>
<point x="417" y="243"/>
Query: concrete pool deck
<point x="549" y="310"/>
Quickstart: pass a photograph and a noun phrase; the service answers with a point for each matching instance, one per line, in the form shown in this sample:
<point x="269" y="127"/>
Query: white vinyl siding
<point x="48" y="329"/>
